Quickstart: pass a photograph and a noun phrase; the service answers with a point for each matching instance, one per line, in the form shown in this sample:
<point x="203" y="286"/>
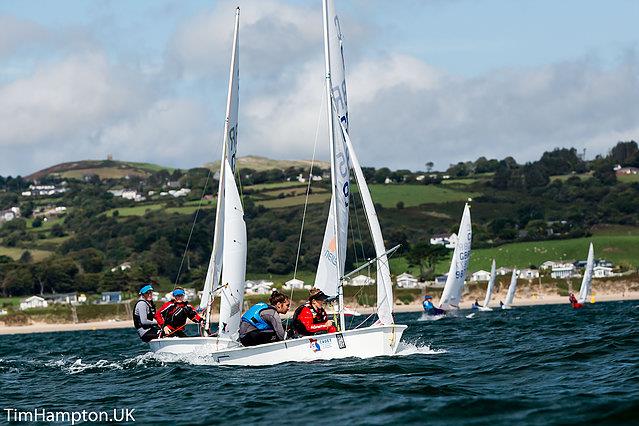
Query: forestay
<point x="329" y="268"/>
<point x="511" y="289"/>
<point x="584" y="291"/>
<point x="491" y="284"/>
<point x="451" y="295"/>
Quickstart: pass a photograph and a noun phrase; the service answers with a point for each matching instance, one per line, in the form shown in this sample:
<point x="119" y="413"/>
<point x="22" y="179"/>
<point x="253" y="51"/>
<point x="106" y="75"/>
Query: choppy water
<point x="531" y="365"/>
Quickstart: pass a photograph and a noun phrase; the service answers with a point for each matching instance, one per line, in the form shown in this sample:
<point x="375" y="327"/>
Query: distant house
<point x="624" y="171"/>
<point x="602" y="272"/>
<point x="293" y="283"/>
<point x="549" y="264"/>
<point x="122" y="267"/>
<point x="71" y="298"/>
<point x="406" y="280"/>
<point x="500" y="272"/>
<point x="259" y="287"/>
<point x="33" y="302"/>
<point x="361" y="280"/>
<point x="565" y="270"/>
<point x="111" y="297"/>
<point x="449" y="241"/>
<point x="480" y="275"/>
<point x="440" y="281"/>
<point x="528" y="274"/>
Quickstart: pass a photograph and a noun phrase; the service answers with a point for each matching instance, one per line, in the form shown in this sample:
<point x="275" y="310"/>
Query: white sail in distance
<point x="384" y="284"/>
<point x="229" y="148"/>
<point x="332" y="255"/>
<point x="491" y="284"/>
<point x="451" y="295"/>
<point x="510" y="296"/>
<point x="584" y="291"/>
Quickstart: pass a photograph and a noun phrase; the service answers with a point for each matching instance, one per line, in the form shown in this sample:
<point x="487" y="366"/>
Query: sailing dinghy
<point x="380" y="338"/>
<point x="584" y="290"/>
<point x="451" y="296"/>
<point x="510" y="296"/>
<point x="489" y="290"/>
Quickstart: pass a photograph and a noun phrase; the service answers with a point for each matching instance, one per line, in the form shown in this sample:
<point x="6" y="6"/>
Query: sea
<point x="538" y="365"/>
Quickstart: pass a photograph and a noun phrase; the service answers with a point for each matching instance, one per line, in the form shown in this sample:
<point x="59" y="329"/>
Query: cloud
<point x="81" y="102"/>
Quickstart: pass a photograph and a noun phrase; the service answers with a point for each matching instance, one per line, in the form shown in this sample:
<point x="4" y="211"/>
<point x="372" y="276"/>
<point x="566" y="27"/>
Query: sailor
<point x="143" y="315"/>
<point x="572" y="299"/>
<point x="311" y="318"/>
<point x="172" y="315"/>
<point x="428" y="304"/>
<point x="475" y="305"/>
<point x="262" y="323"/>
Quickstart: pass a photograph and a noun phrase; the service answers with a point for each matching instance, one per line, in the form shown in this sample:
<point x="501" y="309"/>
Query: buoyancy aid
<point x="253" y="317"/>
<point x="319" y="317"/>
<point x="137" y="322"/>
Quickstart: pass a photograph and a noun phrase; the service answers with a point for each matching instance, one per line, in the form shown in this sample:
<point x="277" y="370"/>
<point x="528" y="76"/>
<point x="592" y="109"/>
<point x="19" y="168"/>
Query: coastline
<point x="413" y="307"/>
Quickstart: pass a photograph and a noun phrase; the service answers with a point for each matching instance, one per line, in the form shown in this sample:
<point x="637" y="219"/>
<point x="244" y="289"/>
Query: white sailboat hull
<point x="506" y="307"/>
<point x="368" y="342"/>
<point x="484" y="309"/>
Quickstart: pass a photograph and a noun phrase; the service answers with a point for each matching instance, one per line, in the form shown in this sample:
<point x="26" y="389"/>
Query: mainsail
<point x="451" y="295"/>
<point x="332" y="259"/>
<point x="229" y="223"/>
<point x="511" y="289"/>
<point x="491" y="284"/>
<point x="584" y="291"/>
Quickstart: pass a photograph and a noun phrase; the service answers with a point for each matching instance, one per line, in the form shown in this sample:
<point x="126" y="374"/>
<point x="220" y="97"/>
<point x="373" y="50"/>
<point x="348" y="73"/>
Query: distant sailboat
<point x="511" y="291"/>
<point x="586" y="282"/>
<point x="451" y="296"/>
<point x="489" y="290"/>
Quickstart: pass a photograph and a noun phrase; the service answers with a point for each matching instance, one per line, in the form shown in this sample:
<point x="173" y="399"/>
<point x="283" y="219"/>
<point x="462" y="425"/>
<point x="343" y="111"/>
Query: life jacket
<point x="137" y="322"/>
<point x="253" y="317"/>
<point x="176" y="314"/>
<point x="319" y="317"/>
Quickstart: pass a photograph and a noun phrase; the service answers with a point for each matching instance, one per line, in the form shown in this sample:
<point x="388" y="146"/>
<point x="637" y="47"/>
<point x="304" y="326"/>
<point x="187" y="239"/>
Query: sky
<point x="428" y="80"/>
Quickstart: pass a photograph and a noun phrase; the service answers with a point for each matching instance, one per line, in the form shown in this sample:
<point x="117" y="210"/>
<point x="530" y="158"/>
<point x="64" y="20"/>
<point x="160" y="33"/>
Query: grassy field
<point x="134" y="211"/>
<point x="460" y="182"/>
<point x="45" y="225"/>
<point x="294" y="201"/>
<point x="566" y="177"/>
<point x="628" y="178"/>
<point x="16" y="252"/>
<point x="274" y="185"/>
<point x="415" y="195"/>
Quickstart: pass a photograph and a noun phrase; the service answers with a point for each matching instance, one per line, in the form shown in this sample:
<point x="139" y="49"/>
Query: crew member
<point x="572" y="299"/>
<point x="143" y="315"/>
<point x="428" y="304"/>
<point x="262" y="323"/>
<point x="172" y="315"/>
<point x="311" y="318"/>
<point x="475" y="305"/>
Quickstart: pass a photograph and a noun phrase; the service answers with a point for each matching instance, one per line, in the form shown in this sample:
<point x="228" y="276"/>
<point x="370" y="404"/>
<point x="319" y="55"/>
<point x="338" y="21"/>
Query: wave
<point x="407" y="348"/>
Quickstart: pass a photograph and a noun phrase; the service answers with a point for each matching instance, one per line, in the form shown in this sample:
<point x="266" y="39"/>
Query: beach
<point x="549" y="299"/>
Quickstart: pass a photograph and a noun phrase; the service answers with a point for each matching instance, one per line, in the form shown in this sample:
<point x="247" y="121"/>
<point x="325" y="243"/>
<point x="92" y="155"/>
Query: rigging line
<point x="188" y="242"/>
<point x="359" y="230"/>
<point x="308" y="187"/>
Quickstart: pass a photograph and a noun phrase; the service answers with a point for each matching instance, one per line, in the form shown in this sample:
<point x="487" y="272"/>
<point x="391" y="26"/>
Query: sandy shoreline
<point x="113" y="324"/>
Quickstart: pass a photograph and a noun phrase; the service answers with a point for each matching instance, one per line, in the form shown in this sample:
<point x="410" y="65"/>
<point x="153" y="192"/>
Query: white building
<point x="500" y="272"/>
<point x="293" y="283"/>
<point x="564" y="270"/>
<point x="549" y="264"/>
<point x="480" y="275"/>
<point x="122" y="267"/>
<point x="361" y="280"/>
<point x="406" y="280"/>
<point x="528" y="274"/>
<point x="444" y="240"/>
<point x="258" y="287"/>
<point x="602" y="272"/>
<point x="33" y="302"/>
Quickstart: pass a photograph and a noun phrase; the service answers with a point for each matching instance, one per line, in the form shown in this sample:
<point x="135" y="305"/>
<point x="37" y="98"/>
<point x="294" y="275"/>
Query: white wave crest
<point x="407" y="348"/>
<point x="426" y="317"/>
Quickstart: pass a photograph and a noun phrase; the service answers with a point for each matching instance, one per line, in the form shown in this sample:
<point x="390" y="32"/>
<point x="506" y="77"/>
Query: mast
<point x="331" y="135"/>
<point x="215" y="267"/>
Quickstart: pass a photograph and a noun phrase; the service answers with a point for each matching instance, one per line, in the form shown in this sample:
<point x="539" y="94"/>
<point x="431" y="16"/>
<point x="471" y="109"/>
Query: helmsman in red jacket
<point x="172" y="316"/>
<point x="311" y="318"/>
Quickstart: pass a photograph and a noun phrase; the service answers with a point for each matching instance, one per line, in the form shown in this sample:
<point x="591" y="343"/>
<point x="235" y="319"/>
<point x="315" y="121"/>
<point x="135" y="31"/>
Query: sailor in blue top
<point x="262" y="323"/>
<point x="429" y="308"/>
